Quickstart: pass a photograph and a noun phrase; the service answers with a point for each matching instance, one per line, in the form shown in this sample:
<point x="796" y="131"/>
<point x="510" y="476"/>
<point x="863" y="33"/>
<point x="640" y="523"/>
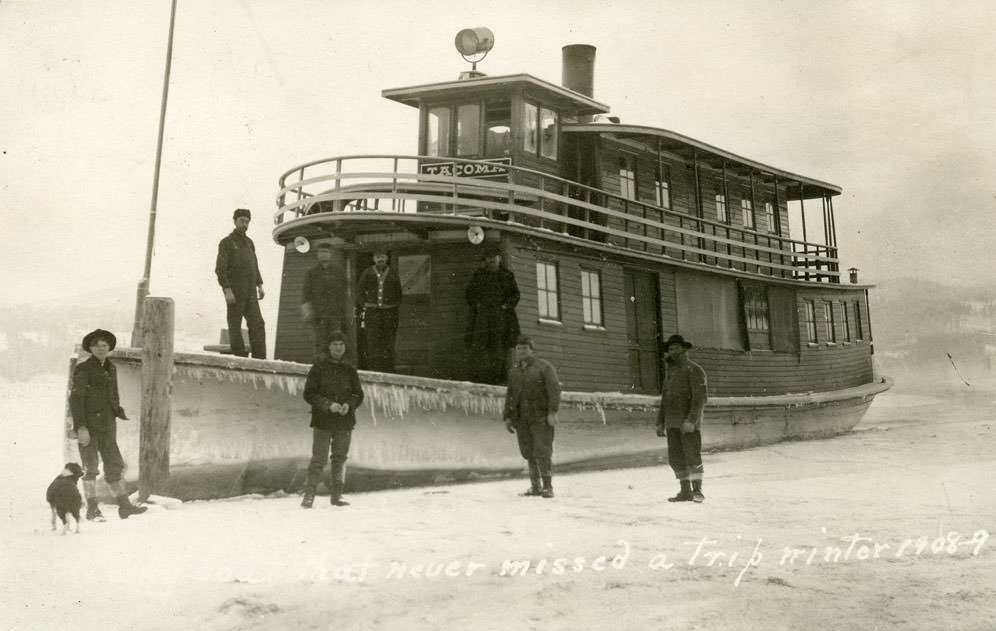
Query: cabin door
<point x="643" y="330"/>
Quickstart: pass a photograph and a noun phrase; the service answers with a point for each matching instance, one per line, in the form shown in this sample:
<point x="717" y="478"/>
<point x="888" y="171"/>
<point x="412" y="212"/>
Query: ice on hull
<point x="242" y="426"/>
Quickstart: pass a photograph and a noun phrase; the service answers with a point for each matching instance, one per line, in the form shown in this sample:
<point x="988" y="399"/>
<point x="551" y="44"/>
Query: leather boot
<point x="338" y="482"/>
<point x="92" y="505"/>
<point x="697" y="491"/>
<point x="547" y="491"/>
<point x="308" y="497"/>
<point x="685" y="495"/>
<point x="125" y="508"/>
<point x="534" y="489"/>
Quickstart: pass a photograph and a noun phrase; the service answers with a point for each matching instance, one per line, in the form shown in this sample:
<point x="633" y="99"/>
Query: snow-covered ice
<point x="885" y="528"/>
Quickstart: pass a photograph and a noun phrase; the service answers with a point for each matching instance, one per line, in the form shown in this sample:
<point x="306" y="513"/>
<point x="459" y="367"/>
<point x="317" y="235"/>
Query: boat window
<point x="846" y="322"/>
<point x="415" y="274"/>
<point x="747" y="209"/>
<point x="828" y="321"/>
<point x="769" y="214"/>
<point x="809" y="319"/>
<point x="662" y="187"/>
<point x="530" y="138"/>
<point x="548" y="126"/>
<point x="591" y="297"/>
<point x="438" y="136"/>
<point x="756" y="308"/>
<point x="498" y="129"/>
<point x="721" y="205"/>
<point x="858" y="330"/>
<point x="709" y="310"/>
<point x="468" y="130"/>
<point x="627" y="175"/>
<point x="546" y="291"/>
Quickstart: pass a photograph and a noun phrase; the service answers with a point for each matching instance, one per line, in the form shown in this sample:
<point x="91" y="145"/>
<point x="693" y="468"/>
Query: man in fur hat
<point x="94" y="404"/>
<point x="683" y="399"/>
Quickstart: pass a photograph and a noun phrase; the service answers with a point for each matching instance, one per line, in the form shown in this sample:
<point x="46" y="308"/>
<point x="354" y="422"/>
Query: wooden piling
<point x="157" y="386"/>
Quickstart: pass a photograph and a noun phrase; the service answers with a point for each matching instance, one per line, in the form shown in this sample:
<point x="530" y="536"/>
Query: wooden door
<point x="643" y="330"/>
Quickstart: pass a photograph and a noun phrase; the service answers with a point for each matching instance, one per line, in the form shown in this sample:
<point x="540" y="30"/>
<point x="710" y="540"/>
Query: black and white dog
<point x="64" y="497"/>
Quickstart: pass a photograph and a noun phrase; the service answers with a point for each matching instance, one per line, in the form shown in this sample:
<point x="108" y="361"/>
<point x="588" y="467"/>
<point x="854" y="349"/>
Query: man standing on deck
<point x="238" y="275"/>
<point x="323" y="297"/>
<point x="379" y="290"/>
<point x="492" y="326"/>
<point x="683" y="400"/>
<point x="531" y="403"/>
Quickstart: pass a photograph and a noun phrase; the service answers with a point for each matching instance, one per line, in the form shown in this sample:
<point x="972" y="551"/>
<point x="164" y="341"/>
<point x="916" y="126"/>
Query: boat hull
<point x="241" y="426"/>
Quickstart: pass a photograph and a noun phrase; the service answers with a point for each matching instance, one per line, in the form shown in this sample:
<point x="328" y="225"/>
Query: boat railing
<point x="429" y="184"/>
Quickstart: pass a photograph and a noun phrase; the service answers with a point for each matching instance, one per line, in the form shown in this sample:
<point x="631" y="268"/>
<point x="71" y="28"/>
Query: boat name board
<point x="490" y="168"/>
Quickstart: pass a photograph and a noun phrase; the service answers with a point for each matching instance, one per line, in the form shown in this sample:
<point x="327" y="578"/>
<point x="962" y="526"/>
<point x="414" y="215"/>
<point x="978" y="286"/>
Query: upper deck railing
<point x="397" y="184"/>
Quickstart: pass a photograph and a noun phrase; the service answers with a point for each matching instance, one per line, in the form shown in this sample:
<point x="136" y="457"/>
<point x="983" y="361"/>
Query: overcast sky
<point x="893" y="101"/>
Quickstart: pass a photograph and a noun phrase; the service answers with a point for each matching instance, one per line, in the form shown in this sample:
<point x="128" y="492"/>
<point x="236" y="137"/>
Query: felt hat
<point x="99" y="334"/>
<point x="677" y="339"/>
<point x="242" y="212"/>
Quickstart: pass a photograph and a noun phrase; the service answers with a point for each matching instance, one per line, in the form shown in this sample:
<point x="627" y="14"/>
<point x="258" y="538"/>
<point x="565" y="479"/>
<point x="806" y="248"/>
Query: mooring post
<point x="157" y="386"/>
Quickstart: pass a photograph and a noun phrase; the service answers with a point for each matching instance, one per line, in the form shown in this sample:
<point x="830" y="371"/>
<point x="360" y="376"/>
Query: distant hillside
<point x="39" y="338"/>
<point x="917" y="323"/>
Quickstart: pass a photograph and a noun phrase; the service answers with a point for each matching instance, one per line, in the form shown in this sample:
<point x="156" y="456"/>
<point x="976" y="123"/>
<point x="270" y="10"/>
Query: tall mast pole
<point x="143" y="284"/>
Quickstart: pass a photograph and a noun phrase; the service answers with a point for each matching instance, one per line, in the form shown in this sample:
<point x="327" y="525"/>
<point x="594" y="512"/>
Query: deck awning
<point x="690" y="149"/>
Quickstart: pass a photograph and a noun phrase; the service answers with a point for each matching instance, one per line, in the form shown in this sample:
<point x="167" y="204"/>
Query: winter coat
<point x="684" y="394"/>
<point x="325" y="289"/>
<point x="533" y="391"/>
<point x="94" y="401"/>
<point x="492" y="297"/>
<point x="332" y="382"/>
<point x="236" y="266"/>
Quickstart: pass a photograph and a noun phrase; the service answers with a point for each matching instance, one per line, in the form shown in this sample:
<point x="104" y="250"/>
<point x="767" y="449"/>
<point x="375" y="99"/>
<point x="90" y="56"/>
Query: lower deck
<point x="600" y="318"/>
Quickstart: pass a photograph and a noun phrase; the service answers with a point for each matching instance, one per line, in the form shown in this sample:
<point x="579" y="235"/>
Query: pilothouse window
<point x="498" y="130"/>
<point x="548" y="125"/>
<point x="438" y="139"/>
<point x="469" y="130"/>
<point x="530" y="137"/>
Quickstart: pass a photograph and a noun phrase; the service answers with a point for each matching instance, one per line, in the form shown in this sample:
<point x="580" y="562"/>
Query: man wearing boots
<point x="334" y="392"/>
<point x="680" y="418"/>
<point x="94" y="404"/>
<point x="240" y="280"/>
<point x="531" y="403"/>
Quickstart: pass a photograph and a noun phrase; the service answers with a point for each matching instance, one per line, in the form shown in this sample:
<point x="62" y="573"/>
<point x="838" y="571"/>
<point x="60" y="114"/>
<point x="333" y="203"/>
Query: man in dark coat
<point x="240" y="280"/>
<point x="334" y="392"/>
<point x="492" y="326"/>
<point x="683" y="399"/>
<point x="531" y="404"/>
<point x="95" y="404"/>
<point x="323" y="297"/>
<point x="379" y="292"/>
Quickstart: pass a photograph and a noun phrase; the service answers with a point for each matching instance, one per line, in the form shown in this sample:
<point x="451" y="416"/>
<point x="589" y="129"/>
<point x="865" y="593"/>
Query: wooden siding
<point x="586" y="358"/>
<point x="431" y="330"/>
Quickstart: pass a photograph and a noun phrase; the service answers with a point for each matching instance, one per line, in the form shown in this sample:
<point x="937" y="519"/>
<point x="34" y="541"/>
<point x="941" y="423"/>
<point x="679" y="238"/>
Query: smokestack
<point x="579" y="69"/>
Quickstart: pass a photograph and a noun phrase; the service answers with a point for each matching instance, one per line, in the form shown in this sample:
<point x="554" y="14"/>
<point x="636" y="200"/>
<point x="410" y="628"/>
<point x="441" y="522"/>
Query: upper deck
<point x="358" y="195"/>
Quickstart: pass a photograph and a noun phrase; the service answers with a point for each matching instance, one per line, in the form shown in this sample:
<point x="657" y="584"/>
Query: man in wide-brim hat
<point x="95" y="406"/>
<point x="683" y="398"/>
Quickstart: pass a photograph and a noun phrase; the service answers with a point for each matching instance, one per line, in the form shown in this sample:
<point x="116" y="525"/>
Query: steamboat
<point x="617" y="234"/>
